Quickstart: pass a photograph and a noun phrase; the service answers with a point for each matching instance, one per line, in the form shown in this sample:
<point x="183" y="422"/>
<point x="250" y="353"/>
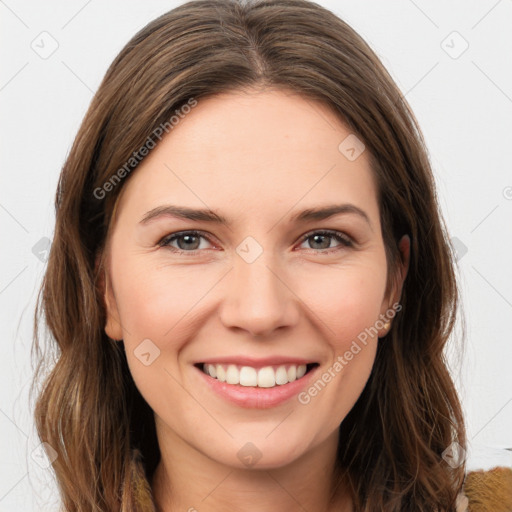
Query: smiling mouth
<point x="247" y="376"/>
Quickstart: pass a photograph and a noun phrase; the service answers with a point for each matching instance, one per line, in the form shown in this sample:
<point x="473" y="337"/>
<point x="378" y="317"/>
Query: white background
<point x="463" y="105"/>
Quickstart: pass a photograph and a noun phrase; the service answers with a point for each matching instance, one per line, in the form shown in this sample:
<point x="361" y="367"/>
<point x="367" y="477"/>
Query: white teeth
<point x="266" y="377"/>
<point x="221" y="374"/>
<point x="232" y="375"/>
<point x="248" y="376"/>
<point x="212" y="371"/>
<point x="281" y="375"/>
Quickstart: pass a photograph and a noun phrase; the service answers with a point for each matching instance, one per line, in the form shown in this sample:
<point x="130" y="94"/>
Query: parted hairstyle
<point x="88" y="408"/>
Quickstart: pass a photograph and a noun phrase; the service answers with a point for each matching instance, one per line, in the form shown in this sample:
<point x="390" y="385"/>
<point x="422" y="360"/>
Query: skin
<point x="257" y="158"/>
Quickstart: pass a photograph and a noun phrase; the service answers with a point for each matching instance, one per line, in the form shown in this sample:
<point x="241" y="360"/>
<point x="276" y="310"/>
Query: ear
<point x="404" y="246"/>
<point x="113" y="326"/>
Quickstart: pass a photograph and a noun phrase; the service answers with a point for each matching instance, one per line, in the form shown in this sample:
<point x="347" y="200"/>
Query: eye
<point x="187" y="241"/>
<point x="190" y="241"/>
<point x="322" y="240"/>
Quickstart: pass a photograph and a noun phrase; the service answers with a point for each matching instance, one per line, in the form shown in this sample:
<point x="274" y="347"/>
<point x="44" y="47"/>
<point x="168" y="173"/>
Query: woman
<point x="212" y="356"/>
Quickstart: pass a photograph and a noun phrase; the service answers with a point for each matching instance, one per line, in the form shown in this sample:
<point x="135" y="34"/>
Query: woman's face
<point x="252" y="296"/>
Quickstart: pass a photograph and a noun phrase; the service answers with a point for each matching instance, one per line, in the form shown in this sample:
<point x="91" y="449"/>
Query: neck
<point x="187" y="480"/>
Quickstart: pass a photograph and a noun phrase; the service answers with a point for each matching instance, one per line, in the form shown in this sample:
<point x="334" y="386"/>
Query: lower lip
<point x="254" y="397"/>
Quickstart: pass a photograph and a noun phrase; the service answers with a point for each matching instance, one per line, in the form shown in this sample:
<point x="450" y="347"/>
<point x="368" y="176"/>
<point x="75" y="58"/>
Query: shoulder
<point x="490" y="489"/>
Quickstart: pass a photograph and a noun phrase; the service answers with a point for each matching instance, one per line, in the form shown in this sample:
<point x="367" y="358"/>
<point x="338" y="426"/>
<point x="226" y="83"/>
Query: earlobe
<point x="404" y="246"/>
<point x="112" y="325"/>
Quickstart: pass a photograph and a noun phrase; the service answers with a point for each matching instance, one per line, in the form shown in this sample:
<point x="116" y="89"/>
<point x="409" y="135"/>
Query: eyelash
<point x="337" y="235"/>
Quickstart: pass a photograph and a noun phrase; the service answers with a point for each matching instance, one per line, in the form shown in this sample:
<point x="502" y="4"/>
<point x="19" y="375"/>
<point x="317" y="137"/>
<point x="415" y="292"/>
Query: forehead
<point x="245" y="150"/>
<point x="272" y="121"/>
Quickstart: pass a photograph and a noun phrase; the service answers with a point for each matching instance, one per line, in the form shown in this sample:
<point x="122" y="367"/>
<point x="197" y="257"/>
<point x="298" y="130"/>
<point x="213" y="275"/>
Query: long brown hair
<point x="89" y="410"/>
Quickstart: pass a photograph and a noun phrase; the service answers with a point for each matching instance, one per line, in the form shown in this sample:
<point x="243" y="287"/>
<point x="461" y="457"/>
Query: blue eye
<point x="320" y="236"/>
<point x="190" y="241"/>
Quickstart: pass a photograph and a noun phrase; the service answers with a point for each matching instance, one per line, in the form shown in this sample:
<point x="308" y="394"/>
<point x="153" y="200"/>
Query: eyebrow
<point x="205" y="215"/>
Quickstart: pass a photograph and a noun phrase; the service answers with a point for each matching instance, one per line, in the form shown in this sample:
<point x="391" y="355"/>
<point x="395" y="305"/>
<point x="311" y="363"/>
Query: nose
<point x="259" y="299"/>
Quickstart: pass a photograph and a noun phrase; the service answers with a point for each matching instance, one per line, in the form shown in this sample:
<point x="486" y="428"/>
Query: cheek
<point x="347" y="300"/>
<point x="349" y="305"/>
<point x="156" y="308"/>
<point x="154" y="302"/>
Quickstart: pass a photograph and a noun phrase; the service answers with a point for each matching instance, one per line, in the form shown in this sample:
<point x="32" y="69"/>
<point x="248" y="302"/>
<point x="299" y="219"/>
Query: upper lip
<point x="256" y="362"/>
